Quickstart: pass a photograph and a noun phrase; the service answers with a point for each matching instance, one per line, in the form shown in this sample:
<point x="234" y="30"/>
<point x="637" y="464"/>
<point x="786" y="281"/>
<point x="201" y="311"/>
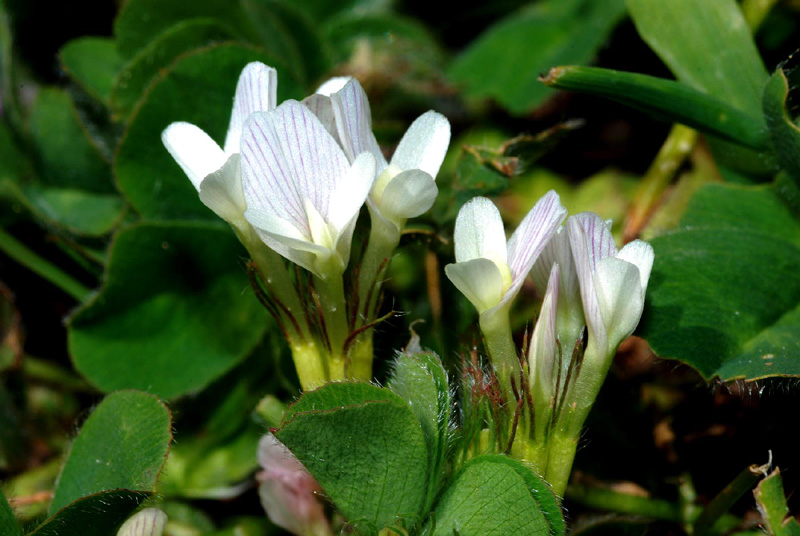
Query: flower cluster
<point x="291" y="180"/>
<point x="593" y="296"/>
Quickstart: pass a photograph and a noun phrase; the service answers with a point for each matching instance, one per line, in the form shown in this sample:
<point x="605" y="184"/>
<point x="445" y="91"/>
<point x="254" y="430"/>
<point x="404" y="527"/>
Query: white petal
<point x="354" y="123"/>
<point x="542" y="353"/>
<point x="640" y="254"/>
<point x="581" y="253"/>
<point x="285" y="239"/>
<point x="333" y="85"/>
<point x="193" y="150"/>
<point x="598" y="235"/>
<point x="424" y="144"/>
<point x="409" y="194"/>
<point x="222" y="192"/>
<point x="256" y="91"/>
<point x="620" y="296"/>
<point x="147" y="522"/>
<point x="320" y="105"/>
<point x="479" y="280"/>
<point x="532" y="235"/>
<point x="347" y="200"/>
<point x="288" y="157"/>
<point x="479" y="232"/>
<point x="558" y="251"/>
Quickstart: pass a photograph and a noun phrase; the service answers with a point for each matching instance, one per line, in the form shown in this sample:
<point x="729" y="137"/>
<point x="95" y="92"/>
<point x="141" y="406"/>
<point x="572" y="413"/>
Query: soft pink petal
<point x="542" y="353"/>
<point x="582" y="249"/>
<point x="255" y="92"/>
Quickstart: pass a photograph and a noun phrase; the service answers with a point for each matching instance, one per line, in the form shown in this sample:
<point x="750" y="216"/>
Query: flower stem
<point x="20" y="253"/>
<point x="496" y="329"/>
<point x="334" y="313"/>
<point x="383" y="240"/>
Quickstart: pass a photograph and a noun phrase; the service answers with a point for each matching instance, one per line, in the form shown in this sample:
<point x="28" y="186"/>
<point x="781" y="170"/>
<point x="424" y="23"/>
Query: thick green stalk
<point x="334" y="314"/>
<point x="384" y="238"/>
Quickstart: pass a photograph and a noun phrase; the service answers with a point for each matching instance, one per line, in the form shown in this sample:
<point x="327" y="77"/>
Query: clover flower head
<point x="213" y="170"/>
<point x="488" y="270"/>
<point x="302" y="194"/>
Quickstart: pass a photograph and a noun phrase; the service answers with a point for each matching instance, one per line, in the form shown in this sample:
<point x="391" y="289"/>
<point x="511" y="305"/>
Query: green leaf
<point x="99" y="514"/>
<point x="129" y="85"/>
<point x="505" y="62"/>
<point x="420" y="380"/>
<point x="784" y="133"/>
<point x="174" y="313"/>
<point x="140" y="21"/>
<point x="324" y="9"/>
<point x="665" y="99"/>
<point x="772" y="505"/>
<point x="8" y="523"/>
<point x="122" y="445"/>
<point x="199" y="88"/>
<point x="724" y="296"/>
<point x="68" y="157"/>
<point x="79" y="211"/>
<point x="707" y="45"/>
<point x="93" y="62"/>
<point x="493" y="495"/>
<point x="367" y="450"/>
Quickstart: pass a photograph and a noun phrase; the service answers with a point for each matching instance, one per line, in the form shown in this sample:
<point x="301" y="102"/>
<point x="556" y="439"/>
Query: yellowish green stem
<point x="384" y="238"/>
<point x="496" y="329"/>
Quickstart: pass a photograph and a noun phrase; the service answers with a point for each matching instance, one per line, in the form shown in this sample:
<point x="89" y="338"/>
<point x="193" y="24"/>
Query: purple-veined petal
<point x="479" y="280"/>
<point x="285" y="239"/>
<point x="147" y="522"/>
<point x="409" y="194"/>
<point x="222" y="192"/>
<point x="598" y="235"/>
<point x="619" y="296"/>
<point x="354" y="123"/>
<point x="331" y="86"/>
<point x="531" y="237"/>
<point x="542" y="352"/>
<point x="424" y="144"/>
<point x="479" y="232"/>
<point x="288" y="157"/>
<point x="347" y="200"/>
<point x="288" y="491"/>
<point x="256" y="91"/>
<point x="581" y="253"/>
<point x="640" y="254"/>
<point x="194" y="151"/>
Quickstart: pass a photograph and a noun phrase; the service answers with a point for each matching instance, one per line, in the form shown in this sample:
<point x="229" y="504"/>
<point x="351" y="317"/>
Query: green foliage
<point x="93" y="62"/>
<point x="707" y="45"/>
<point x="122" y="445"/>
<point x="199" y="89"/>
<point x="494" y="495"/>
<point x="724" y="296"/>
<point x="99" y="514"/>
<point x="772" y="504"/>
<point x="132" y="80"/>
<point x="68" y="157"/>
<point x="784" y="133"/>
<point x="421" y="380"/>
<point x="367" y="450"/>
<point x="172" y="315"/>
<point x="8" y="524"/>
<point x="505" y="62"/>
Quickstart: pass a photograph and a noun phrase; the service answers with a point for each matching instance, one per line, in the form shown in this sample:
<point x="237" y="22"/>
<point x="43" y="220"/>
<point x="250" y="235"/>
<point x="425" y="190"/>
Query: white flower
<point x="216" y="171"/>
<point x="288" y="491"/>
<point x="302" y="194"/>
<point x="147" y="522"/>
<point x="405" y="187"/>
<point x="612" y="283"/>
<point x="489" y="271"/>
